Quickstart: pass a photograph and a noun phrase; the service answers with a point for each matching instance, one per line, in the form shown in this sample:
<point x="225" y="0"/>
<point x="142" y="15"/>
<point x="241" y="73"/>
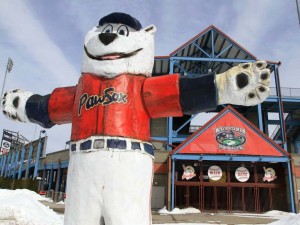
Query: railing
<point x="194" y="128"/>
<point x="286" y="92"/>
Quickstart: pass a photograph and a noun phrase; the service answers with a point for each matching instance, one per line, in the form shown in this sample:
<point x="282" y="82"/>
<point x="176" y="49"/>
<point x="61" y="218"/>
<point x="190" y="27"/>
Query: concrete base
<point x="209" y="218"/>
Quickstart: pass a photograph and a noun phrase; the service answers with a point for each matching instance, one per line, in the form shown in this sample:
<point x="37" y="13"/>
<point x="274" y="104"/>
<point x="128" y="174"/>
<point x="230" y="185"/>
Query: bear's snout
<point x="107" y="38"/>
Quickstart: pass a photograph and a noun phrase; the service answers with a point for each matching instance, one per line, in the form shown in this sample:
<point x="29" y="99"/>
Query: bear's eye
<point x="123" y="30"/>
<point x="108" y="29"/>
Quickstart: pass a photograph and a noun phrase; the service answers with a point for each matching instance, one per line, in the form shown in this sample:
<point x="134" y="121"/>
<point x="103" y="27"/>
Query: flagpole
<point x="8" y="69"/>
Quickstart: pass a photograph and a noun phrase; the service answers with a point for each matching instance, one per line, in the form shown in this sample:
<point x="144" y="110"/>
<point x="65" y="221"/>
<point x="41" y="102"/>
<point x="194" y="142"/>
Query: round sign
<point x="214" y="173"/>
<point x="5" y="145"/>
<point x="242" y="174"/>
<point x="188" y="173"/>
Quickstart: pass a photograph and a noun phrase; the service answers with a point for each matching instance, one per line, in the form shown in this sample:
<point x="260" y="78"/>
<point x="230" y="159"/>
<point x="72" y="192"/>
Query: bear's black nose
<point x="107" y="38"/>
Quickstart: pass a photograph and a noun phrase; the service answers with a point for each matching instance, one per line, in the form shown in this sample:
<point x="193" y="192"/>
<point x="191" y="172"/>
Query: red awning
<point x="229" y="133"/>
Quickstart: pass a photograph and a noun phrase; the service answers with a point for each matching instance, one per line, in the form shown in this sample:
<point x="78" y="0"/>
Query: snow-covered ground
<point x="284" y="218"/>
<point x="164" y="211"/>
<point x="22" y="207"/>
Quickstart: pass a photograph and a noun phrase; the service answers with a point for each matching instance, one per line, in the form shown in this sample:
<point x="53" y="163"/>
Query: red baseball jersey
<point x="121" y="106"/>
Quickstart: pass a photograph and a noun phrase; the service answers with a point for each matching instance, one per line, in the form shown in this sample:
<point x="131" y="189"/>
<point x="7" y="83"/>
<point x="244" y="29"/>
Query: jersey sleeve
<point x="161" y="96"/>
<point x="172" y="95"/>
<point x="60" y="105"/>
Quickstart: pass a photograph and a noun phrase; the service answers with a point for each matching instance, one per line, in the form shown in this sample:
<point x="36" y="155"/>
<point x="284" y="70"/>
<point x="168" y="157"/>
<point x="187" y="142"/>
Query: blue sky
<point x="45" y="39"/>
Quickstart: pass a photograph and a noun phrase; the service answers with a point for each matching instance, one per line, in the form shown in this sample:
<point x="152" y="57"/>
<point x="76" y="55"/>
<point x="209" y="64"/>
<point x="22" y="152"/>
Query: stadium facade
<point x="242" y="159"/>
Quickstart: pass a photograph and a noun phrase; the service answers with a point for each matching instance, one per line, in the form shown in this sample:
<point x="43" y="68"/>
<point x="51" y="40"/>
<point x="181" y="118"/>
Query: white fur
<point x="141" y="63"/>
<point x="230" y="93"/>
<point x="12" y="112"/>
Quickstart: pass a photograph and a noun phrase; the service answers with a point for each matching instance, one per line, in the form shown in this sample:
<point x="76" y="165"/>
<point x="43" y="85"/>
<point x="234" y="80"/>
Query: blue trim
<point x="235" y="158"/>
<point x="183" y="70"/>
<point x="156" y="138"/>
<point x="183" y="125"/>
<point x="290" y="179"/>
<point x="212" y="60"/>
<point x="37" y="159"/>
<point x="43" y="179"/>
<point x="54" y="165"/>
<point x="3" y="165"/>
<point x="11" y="165"/>
<point x="16" y="164"/>
<point x="58" y="177"/>
<point x="170" y="119"/>
<point x="7" y="165"/>
<point x="1" y="160"/>
<point x="260" y="118"/>
<point x="21" y="162"/>
<point x="204" y="52"/>
<point x="211" y="30"/>
<point x="228" y="47"/>
<point x="212" y="44"/>
<point x="175" y="139"/>
<point x="28" y="161"/>
<point x="280" y="106"/>
<point x="170" y="133"/>
<point x="173" y="185"/>
<point x="50" y="179"/>
<point x="272" y="99"/>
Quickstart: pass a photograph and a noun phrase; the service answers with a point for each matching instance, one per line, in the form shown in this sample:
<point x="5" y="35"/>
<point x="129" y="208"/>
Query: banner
<point x="6" y="142"/>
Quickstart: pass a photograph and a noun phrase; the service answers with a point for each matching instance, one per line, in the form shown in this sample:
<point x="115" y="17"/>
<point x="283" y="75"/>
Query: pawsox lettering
<point x="109" y="96"/>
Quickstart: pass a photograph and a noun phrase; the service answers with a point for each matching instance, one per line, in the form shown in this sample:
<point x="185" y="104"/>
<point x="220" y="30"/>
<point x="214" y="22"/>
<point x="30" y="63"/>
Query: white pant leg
<point x="115" y="185"/>
<point x="84" y="182"/>
<point x="127" y="189"/>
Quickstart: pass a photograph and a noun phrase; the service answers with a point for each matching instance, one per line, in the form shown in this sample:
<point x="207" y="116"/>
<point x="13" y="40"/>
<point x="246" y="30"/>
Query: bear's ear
<point x="150" y="29"/>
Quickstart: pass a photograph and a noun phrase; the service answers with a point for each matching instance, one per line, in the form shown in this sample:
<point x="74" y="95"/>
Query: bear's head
<point x="119" y="45"/>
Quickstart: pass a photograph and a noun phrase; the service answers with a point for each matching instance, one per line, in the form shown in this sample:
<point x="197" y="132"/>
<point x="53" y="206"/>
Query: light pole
<point x="8" y="69"/>
<point x="298" y="10"/>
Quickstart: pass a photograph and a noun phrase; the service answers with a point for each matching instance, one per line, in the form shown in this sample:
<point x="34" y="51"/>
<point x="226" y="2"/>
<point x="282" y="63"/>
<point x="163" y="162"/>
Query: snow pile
<point x="286" y="218"/>
<point x="283" y="218"/>
<point x="189" y="210"/>
<point x="24" y="207"/>
<point x="277" y="214"/>
<point x="60" y="203"/>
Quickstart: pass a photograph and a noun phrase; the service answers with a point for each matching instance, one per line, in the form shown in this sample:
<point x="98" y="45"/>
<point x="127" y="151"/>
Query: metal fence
<point x="286" y="92"/>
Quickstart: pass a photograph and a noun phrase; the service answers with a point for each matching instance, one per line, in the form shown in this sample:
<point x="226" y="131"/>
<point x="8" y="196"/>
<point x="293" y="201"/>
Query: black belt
<point x="115" y="144"/>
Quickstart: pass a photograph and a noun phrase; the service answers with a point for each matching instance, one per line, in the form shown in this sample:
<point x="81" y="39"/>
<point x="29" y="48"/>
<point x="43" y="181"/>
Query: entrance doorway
<point x="257" y="191"/>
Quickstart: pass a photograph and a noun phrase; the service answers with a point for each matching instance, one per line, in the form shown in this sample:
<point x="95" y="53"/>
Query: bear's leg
<point x="84" y="189"/>
<point x="127" y="189"/>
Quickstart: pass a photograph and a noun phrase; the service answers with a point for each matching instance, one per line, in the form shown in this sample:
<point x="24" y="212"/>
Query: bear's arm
<point x="172" y="95"/>
<point x="55" y="108"/>
<point x="61" y="105"/>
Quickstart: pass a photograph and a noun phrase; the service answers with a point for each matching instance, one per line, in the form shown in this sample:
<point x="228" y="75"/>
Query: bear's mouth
<point x="112" y="56"/>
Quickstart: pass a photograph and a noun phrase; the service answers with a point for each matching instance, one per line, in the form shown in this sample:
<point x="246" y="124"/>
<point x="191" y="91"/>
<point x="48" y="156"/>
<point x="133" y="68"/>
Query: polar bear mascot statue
<point x="111" y="157"/>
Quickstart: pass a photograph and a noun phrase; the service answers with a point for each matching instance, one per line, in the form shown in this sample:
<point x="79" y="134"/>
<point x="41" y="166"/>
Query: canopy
<point x="229" y="133"/>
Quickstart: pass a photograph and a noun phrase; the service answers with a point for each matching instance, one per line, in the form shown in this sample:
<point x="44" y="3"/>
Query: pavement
<point x="57" y="207"/>
<point x="207" y="218"/>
